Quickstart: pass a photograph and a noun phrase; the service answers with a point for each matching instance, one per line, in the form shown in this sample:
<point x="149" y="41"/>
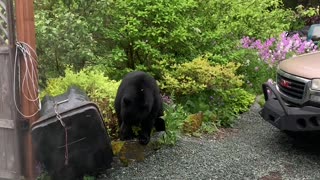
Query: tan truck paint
<point x="306" y="66"/>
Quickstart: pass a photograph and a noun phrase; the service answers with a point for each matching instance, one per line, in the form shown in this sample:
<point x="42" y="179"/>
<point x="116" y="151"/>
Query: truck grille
<point x="290" y="87"/>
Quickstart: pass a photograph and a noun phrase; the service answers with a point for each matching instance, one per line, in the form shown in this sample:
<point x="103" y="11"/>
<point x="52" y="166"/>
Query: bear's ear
<point x="126" y="101"/>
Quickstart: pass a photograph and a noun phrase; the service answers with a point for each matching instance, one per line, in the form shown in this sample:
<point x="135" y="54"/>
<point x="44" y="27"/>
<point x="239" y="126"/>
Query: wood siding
<point x="9" y="155"/>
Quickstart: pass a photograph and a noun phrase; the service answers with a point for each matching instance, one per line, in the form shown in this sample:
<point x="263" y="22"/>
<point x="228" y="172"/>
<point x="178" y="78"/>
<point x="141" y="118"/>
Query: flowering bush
<point x="274" y="50"/>
<point x="254" y="70"/>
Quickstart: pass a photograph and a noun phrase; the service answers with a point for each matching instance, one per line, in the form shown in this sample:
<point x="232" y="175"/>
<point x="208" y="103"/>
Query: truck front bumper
<point x="287" y="117"/>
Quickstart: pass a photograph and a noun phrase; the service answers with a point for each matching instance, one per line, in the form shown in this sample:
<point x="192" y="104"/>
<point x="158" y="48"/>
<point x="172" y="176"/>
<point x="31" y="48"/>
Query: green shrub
<point x="199" y="75"/>
<point x="230" y="103"/>
<point x="220" y="107"/>
<point x="216" y="90"/>
<point x="122" y="34"/>
<point x="87" y="177"/>
<point x="99" y="88"/>
<point x="146" y="31"/>
<point x="43" y="176"/>
<point x="254" y="70"/>
<point x="193" y="123"/>
<point x="63" y="38"/>
<point x="174" y="117"/>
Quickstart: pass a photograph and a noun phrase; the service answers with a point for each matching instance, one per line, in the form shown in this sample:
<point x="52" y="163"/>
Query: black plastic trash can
<point x="70" y="137"/>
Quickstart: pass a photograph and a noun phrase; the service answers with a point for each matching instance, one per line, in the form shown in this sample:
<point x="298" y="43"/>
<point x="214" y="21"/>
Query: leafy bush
<point x="136" y="34"/>
<point x="193" y="123"/>
<point x="147" y="31"/>
<point x="43" y="176"/>
<point x="231" y="103"/>
<point x="63" y="38"/>
<point x="310" y="15"/>
<point x="99" y="88"/>
<point x="214" y="90"/>
<point x="199" y="75"/>
<point x="174" y="117"/>
<point x="220" y="107"/>
<point x="254" y="70"/>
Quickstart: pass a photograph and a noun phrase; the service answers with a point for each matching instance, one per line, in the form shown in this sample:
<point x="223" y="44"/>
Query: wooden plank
<point x="3" y="165"/>
<point x="7" y="175"/>
<point x="8" y="158"/>
<point x="4" y="50"/>
<point x="10" y="150"/>
<point x="6" y="123"/>
<point x="9" y="147"/>
<point x="5" y="89"/>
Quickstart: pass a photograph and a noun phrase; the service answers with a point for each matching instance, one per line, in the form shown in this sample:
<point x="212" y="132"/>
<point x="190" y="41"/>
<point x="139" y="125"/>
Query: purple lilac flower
<point x="315" y="47"/>
<point x="274" y="50"/>
<point x="258" y="44"/>
<point x="270" y="42"/>
<point x="246" y="42"/>
<point x="301" y="49"/>
<point x="166" y="99"/>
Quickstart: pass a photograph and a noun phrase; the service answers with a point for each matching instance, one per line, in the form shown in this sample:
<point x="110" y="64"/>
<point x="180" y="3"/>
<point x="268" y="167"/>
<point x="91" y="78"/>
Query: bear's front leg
<point x="126" y="132"/>
<point x="144" y="134"/>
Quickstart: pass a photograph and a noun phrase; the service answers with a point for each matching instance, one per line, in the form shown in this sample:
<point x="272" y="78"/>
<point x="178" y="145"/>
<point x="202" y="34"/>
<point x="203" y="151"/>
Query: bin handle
<point x="59" y="117"/>
<point x="265" y="87"/>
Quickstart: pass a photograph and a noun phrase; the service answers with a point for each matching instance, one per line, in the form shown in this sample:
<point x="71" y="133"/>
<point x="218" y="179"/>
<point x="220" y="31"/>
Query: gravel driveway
<point x="253" y="149"/>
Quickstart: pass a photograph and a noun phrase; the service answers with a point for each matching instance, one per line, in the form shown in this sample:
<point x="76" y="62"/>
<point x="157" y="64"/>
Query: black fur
<point x="138" y="103"/>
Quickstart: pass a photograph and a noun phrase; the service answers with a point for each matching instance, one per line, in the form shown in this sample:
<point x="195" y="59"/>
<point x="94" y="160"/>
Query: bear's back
<point x="139" y="80"/>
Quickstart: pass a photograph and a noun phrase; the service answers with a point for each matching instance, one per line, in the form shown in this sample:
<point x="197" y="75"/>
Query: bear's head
<point x="136" y="106"/>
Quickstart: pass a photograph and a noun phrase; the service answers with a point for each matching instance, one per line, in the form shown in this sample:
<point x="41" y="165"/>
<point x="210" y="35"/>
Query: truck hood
<point x="306" y="66"/>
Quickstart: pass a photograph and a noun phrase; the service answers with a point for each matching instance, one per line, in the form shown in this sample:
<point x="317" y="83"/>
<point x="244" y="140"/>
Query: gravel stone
<point x="252" y="149"/>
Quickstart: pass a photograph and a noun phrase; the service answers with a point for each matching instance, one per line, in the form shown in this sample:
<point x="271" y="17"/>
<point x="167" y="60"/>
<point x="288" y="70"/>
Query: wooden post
<point x="26" y="33"/>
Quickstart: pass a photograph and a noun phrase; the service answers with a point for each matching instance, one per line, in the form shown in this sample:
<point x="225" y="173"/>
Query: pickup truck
<point x="314" y="33"/>
<point x="293" y="100"/>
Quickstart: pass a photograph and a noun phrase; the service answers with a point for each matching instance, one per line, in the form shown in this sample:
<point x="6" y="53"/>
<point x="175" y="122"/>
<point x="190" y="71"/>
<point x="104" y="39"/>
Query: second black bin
<point x="70" y="137"/>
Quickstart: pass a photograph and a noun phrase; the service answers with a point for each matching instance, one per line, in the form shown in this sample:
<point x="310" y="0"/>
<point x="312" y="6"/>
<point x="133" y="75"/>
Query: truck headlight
<point x="315" y="84"/>
<point x="315" y="98"/>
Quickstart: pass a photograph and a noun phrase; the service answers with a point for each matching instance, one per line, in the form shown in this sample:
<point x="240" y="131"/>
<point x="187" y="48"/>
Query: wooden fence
<point x="10" y="161"/>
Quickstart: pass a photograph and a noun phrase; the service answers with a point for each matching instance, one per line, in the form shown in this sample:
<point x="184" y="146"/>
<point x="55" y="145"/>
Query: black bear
<point x="138" y="103"/>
